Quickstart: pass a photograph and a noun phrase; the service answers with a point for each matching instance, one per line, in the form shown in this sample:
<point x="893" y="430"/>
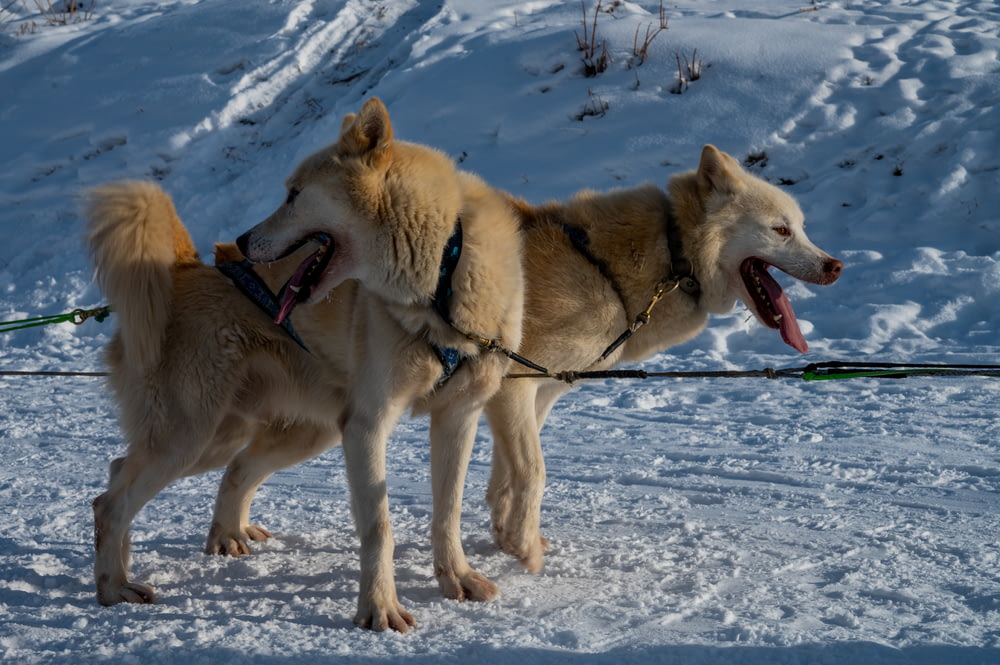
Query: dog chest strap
<point x="681" y="277"/>
<point x="450" y="359"/>
<point x="252" y="286"/>
<point x="581" y="243"/>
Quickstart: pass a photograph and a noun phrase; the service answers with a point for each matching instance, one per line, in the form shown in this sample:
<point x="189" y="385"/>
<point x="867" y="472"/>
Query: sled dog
<point x="403" y="266"/>
<point x="593" y="266"/>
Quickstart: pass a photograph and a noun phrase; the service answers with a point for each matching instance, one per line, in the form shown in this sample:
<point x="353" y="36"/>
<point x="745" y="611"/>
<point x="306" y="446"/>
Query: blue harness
<point x="246" y="280"/>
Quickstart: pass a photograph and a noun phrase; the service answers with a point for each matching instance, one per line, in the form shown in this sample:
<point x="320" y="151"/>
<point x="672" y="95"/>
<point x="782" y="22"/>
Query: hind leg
<point x="135" y="479"/>
<point x="515" y="415"/>
<point x="274" y="447"/>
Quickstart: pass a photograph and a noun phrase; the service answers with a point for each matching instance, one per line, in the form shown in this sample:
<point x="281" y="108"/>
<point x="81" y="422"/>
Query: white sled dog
<point x="399" y="256"/>
<point x="593" y="267"/>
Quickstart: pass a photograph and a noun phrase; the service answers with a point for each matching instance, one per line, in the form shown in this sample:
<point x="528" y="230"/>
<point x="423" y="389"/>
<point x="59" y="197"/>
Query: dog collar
<point x="681" y="269"/>
<point x="244" y="278"/>
<point x="449" y="262"/>
<point x="450" y="359"/>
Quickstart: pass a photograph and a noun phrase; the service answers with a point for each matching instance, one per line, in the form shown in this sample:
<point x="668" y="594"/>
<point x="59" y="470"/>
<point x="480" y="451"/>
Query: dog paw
<point x="470" y="586"/>
<point x="530" y="551"/>
<point x="235" y="543"/>
<point x="381" y="618"/>
<point x="256" y="533"/>
<point x="130" y="592"/>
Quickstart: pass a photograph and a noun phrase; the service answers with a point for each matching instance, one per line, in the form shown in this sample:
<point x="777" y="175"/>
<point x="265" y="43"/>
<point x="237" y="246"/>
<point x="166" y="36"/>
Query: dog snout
<point x="242" y="242"/>
<point x="831" y="270"/>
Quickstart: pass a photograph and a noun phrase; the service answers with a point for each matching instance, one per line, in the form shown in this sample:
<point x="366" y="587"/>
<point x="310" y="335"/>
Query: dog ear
<point x="227" y="252"/>
<point x="368" y="134"/>
<point x="345" y="124"/>
<point x="718" y="172"/>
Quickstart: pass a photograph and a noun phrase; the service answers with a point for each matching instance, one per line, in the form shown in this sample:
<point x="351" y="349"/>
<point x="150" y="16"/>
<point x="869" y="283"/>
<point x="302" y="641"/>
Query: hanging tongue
<point x="300" y="285"/>
<point x="770" y="303"/>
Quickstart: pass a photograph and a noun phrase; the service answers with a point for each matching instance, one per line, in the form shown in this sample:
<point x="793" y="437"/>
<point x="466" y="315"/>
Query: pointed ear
<point x="345" y="124"/>
<point x="733" y="164"/>
<point x="368" y="134"/>
<point x="227" y="252"/>
<point x="718" y="172"/>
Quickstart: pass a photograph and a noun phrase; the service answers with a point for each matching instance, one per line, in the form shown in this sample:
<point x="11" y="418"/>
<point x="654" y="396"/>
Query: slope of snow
<point x="696" y="521"/>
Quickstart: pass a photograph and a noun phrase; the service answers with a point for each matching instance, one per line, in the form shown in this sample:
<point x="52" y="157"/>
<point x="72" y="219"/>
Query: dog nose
<point x="832" y="269"/>
<point x="242" y="242"/>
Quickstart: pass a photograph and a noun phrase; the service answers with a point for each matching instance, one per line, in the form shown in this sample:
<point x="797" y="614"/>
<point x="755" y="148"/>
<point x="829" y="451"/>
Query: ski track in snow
<point x="700" y="521"/>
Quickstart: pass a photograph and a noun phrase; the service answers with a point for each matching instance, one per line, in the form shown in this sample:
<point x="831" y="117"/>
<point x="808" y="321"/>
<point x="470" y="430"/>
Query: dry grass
<point x="595" y="107"/>
<point x="6" y="15"/>
<point x="51" y="12"/>
<point x="689" y="70"/>
<point x="641" y="51"/>
<point x="595" y="56"/>
<point x="64" y="12"/>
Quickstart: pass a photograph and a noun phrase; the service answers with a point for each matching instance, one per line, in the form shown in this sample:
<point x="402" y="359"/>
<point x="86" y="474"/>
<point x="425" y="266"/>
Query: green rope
<point x="44" y="373"/>
<point x="824" y="371"/>
<point x="830" y="371"/>
<point x="76" y="317"/>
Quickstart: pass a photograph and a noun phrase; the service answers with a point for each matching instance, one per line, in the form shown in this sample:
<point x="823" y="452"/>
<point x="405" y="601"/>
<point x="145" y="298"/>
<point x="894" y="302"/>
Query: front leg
<point x="365" y="436"/>
<point x="453" y="431"/>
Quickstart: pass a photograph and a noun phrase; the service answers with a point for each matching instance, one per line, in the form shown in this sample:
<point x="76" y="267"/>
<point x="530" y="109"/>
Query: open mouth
<point x="300" y="285"/>
<point x="770" y="304"/>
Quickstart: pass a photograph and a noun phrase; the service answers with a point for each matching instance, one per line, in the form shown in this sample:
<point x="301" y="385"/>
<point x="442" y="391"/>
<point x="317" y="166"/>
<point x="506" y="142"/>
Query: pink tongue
<point x="788" y="325"/>
<point x="288" y="303"/>
<point x="289" y="295"/>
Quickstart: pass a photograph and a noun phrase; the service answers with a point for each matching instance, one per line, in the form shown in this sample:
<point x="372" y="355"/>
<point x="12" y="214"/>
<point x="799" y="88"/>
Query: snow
<point x="691" y="521"/>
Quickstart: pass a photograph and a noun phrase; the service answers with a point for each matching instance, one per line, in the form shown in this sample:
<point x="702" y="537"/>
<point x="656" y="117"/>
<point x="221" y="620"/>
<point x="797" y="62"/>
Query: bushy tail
<point x="136" y="240"/>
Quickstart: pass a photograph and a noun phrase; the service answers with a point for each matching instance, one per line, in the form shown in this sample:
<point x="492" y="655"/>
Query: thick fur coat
<point x="204" y="378"/>
<point x="732" y="227"/>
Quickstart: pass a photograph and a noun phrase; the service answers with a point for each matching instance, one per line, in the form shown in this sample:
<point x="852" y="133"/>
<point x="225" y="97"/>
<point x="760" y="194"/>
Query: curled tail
<point x="136" y="240"/>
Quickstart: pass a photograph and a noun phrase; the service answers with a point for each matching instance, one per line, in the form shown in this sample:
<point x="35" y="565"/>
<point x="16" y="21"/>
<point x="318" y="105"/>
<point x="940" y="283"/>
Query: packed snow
<point x="690" y="521"/>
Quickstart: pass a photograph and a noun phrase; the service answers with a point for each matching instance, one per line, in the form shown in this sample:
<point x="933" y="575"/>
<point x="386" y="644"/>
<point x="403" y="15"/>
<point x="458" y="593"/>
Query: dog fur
<point x="573" y="309"/>
<point x="204" y="379"/>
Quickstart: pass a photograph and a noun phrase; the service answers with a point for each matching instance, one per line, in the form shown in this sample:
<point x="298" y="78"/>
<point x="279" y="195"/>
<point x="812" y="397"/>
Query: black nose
<point x="242" y="242"/>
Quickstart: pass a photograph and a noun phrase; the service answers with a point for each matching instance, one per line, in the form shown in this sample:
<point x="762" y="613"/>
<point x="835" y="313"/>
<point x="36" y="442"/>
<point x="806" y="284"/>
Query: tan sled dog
<point x="199" y="370"/>
<point x="592" y="268"/>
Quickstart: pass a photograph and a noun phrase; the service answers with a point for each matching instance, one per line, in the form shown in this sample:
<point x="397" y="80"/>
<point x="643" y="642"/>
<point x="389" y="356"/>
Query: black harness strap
<point x="244" y="278"/>
<point x="680" y="267"/>
<point x="450" y="359"/>
<point x="449" y="262"/>
<point x="581" y="243"/>
<point x="681" y="273"/>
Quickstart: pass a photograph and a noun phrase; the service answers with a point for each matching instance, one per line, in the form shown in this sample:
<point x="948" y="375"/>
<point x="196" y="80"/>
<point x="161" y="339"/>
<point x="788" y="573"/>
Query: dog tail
<point x="136" y="242"/>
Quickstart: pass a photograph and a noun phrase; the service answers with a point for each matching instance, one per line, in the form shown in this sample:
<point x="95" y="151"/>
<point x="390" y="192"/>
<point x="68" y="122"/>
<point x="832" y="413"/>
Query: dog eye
<point x="783" y="231"/>
<point x="292" y="194"/>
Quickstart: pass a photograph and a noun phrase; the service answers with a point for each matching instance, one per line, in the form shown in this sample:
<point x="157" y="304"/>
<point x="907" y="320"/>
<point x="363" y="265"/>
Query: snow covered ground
<point x="695" y="521"/>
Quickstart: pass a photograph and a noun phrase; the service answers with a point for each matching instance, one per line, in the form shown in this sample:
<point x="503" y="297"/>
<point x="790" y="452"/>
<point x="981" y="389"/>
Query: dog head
<point x="375" y="209"/>
<point x="749" y="225"/>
